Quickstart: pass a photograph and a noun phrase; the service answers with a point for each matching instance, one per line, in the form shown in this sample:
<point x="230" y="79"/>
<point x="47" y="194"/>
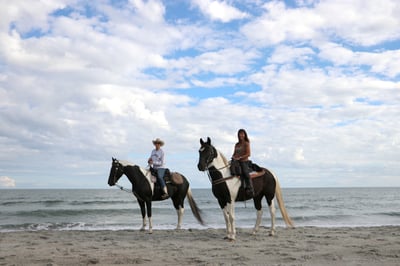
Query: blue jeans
<point x="160" y="176"/>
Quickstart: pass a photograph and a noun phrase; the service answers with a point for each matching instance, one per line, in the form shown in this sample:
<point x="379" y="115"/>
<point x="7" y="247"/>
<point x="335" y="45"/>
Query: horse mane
<point x="125" y="163"/>
<point x="223" y="158"/>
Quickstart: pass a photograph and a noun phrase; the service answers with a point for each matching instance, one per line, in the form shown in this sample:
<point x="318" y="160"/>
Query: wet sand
<point x="299" y="246"/>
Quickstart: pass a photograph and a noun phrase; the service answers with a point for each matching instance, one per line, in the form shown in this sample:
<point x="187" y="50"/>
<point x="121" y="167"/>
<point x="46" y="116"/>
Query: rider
<point x="157" y="161"/>
<point x="241" y="153"/>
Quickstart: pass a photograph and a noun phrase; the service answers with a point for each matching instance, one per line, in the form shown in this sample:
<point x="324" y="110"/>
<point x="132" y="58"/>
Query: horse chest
<point x="221" y="192"/>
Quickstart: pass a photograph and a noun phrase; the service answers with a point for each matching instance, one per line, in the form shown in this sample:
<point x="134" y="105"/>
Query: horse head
<point x="116" y="172"/>
<point x="207" y="154"/>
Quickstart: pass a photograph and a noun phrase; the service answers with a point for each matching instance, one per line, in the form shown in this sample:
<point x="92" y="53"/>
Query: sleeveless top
<point x="242" y="150"/>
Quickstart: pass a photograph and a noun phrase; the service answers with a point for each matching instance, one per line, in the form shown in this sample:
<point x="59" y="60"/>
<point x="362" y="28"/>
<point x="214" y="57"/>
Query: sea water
<point x="113" y="209"/>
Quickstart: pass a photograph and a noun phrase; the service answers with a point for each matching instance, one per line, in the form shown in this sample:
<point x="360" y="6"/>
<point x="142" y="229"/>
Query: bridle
<point x="117" y="163"/>
<point x="212" y="155"/>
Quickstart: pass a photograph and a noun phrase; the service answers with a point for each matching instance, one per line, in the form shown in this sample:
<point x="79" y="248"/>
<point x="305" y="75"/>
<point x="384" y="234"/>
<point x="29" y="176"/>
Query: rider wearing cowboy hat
<point x="156" y="160"/>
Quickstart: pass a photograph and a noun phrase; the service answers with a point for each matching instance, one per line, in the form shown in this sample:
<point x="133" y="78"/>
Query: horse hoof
<point x="271" y="233"/>
<point x="230" y="238"/>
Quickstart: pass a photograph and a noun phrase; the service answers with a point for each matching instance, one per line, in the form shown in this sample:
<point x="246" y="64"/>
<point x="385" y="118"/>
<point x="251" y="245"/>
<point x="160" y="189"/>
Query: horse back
<point x="265" y="184"/>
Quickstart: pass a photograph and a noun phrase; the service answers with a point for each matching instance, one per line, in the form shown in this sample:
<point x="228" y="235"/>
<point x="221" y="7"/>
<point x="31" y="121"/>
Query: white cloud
<point x="316" y="107"/>
<point x="6" y="181"/>
<point x="362" y="22"/>
<point x="287" y="54"/>
<point x="220" y="10"/>
<point x="279" y="24"/>
<point x="358" y="22"/>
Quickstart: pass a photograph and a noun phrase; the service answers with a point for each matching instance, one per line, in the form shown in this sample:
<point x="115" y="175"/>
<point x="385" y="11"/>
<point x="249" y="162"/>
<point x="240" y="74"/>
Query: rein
<point x="116" y="181"/>
<point x="221" y="180"/>
<point x="121" y="187"/>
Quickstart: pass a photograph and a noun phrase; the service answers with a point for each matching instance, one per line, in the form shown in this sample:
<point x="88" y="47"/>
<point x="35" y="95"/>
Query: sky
<point x="316" y="85"/>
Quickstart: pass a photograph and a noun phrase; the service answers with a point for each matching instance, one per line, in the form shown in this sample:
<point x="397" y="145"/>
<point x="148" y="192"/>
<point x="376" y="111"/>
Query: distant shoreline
<point x="378" y="245"/>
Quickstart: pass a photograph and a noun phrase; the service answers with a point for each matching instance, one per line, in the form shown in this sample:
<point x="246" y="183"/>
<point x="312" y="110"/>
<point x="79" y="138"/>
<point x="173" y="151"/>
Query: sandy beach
<point x="299" y="246"/>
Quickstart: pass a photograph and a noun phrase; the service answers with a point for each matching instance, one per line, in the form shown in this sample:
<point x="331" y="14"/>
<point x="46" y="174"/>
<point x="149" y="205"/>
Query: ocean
<point x="114" y="209"/>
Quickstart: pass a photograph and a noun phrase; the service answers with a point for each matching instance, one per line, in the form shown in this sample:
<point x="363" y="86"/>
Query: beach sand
<point x="299" y="246"/>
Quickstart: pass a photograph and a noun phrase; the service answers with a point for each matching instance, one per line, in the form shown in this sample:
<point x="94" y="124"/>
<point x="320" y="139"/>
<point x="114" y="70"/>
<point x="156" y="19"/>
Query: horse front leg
<point x="229" y="221"/>
<point x="225" y="212"/>
<point x="149" y="214"/>
<point x="233" y="222"/>
<point x="143" y="211"/>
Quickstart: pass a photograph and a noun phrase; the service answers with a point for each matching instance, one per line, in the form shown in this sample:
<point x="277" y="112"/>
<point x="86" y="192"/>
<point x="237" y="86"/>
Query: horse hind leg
<point x="272" y="212"/>
<point x="258" y="221"/>
<point x="233" y="223"/>
<point x="180" y="212"/>
<point x="258" y="207"/>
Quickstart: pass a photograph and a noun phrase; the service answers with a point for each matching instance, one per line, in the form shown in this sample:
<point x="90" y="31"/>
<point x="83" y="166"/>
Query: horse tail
<point x="195" y="210"/>
<point x="279" y="198"/>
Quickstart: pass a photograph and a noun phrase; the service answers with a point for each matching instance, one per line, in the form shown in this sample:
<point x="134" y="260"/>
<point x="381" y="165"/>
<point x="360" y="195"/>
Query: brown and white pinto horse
<point x="144" y="190"/>
<point x="227" y="189"/>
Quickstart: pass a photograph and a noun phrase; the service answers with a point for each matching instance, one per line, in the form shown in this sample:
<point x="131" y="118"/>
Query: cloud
<point x="6" y="181"/>
<point x="356" y="22"/>
<point x="81" y="83"/>
<point x="220" y="10"/>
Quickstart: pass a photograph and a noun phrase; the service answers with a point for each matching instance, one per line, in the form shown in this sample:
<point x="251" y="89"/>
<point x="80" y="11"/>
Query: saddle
<point x="169" y="177"/>
<point x="255" y="169"/>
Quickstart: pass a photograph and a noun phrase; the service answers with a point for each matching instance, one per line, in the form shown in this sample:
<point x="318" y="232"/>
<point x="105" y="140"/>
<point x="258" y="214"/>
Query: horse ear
<point x="201" y="141"/>
<point x="208" y="141"/>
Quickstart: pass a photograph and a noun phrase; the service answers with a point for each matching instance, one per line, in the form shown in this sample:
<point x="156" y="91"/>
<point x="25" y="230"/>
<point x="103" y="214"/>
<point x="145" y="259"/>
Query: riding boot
<point x="165" y="195"/>
<point x="249" y="187"/>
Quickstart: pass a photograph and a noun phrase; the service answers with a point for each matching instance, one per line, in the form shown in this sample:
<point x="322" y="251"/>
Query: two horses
<point x="144" y="189"/>
<point x="227" y="189"/>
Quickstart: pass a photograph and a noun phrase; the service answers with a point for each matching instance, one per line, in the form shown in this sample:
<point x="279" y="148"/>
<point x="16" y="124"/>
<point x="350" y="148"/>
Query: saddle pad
<point x="256" y="174"/>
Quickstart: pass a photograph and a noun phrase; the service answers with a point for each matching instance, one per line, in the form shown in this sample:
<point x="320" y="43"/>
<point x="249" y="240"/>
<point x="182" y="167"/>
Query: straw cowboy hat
<point x="157" y="140"/>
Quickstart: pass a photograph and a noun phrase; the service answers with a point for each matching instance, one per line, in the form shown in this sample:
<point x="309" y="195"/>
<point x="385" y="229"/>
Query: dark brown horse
<point x="227" y="189"/>
<point x="144" y="190"/>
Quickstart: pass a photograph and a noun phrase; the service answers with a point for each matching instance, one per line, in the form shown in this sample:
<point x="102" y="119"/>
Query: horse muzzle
<point x="201" y="167"/>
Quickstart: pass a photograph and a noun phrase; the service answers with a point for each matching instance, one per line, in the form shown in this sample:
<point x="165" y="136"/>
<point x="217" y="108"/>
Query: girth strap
<point x="222" y="180"/>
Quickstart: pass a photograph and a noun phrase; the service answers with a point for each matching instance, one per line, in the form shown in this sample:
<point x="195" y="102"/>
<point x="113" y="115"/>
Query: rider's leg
<point x="160" y="177"/>
<point x="246" y="175"/>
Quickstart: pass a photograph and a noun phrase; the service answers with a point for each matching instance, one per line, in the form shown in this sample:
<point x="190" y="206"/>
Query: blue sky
<point x="315" y="83"/>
